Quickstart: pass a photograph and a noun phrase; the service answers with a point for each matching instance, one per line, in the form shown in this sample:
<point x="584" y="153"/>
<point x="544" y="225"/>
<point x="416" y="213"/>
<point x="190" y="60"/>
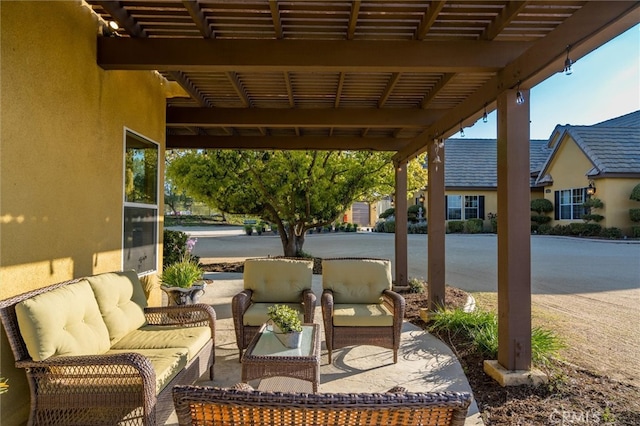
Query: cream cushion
<point x="356" y="280"/>
<point x="166" y="363"/>
<point x="63" y="322"/>
<point x="277" y="280"/>
<point x="121" y="301"/>
<point x="161" y="337"/>
<point x="359" y="315"/>
<point x="257" y="315"/>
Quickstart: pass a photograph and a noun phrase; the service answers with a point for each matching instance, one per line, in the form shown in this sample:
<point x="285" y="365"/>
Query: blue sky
<point x="604" y="84"/>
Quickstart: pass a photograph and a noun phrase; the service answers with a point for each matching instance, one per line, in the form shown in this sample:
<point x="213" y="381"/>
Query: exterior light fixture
<point x="484" y="114"/>
<point x="591" y="189"/>
<point x="421" y="199"/>
<point x="519" y="96"/>
<point x="567" y="63"/>
<point x="461" y="130"/>
<point x="114" y="25"/>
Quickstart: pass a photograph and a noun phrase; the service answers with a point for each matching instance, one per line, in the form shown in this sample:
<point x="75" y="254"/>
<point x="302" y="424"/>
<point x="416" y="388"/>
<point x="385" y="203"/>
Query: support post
<point x="436" y="223"/>
<point x="514" y="232"/>
<point x="402" y="266"/>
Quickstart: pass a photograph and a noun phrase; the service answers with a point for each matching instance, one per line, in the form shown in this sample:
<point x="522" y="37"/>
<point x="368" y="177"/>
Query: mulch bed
<point x="573" y="395"/>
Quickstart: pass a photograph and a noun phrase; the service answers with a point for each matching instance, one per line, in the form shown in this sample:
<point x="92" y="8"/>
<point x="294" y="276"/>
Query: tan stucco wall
<point x="569" y="168"/>
<point x="62" y="121"/>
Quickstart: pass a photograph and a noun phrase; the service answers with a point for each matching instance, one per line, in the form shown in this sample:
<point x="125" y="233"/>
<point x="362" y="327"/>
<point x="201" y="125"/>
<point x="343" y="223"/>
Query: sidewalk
<point x="424" y="364"/>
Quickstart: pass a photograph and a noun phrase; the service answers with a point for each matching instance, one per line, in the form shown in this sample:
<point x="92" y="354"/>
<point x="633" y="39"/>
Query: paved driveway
<point x="588" y="290"/>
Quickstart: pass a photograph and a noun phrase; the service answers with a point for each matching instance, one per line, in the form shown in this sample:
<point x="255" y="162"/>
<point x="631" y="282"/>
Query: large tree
<point x="293" y="190"/>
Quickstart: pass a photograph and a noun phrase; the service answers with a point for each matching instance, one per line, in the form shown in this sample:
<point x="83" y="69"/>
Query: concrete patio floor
<point x="424" y="364"/>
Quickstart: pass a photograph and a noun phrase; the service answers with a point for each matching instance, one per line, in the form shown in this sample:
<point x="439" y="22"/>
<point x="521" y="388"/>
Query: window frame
<point x="145" y="214"/>
<point x="574" y="206"/>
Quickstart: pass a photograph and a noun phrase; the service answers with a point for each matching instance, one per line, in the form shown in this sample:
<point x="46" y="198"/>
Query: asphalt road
<point x="588" y="290"/>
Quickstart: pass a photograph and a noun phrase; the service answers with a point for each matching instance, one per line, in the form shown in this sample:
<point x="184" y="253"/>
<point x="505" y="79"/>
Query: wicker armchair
<point x="200" y="406"/>
<point x="358" y="305"/>
<point x="270" y="281"/>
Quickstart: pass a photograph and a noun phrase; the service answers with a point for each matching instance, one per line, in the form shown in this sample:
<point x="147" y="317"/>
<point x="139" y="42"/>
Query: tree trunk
<point x="291" y="242"/>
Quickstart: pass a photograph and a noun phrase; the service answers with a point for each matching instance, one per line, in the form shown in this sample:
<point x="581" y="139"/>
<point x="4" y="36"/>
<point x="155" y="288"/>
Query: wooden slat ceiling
<point x="381" y="75"/>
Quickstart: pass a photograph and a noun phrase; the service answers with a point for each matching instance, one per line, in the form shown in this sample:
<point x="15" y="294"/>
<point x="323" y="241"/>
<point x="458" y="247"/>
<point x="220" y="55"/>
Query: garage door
<point x="361" y="213"/>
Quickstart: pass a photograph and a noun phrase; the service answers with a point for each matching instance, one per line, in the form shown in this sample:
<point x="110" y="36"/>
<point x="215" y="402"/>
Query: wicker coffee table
<point x="266" y="357"/>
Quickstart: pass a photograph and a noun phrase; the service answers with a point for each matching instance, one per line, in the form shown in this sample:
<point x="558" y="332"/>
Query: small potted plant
<point x="286" y="324"/>
<point x="182" y="281"/>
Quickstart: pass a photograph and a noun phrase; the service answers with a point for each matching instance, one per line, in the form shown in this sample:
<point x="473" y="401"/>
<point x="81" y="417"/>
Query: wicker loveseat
<point x="209" y="406"/>
<point x="95" y="354"/>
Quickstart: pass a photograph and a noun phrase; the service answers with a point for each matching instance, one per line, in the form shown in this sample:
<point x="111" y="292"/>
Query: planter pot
<point x="291" y="340"/>
<point x="184" y="296"/>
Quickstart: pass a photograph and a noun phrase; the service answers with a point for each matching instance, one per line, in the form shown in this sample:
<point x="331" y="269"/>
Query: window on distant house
<point x="139" y="247"/>
<point x="569" y="203"/>
<point x="473" y="207"/>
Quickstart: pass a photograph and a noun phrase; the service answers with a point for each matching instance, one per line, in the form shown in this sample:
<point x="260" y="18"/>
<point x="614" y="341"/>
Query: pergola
<point x="396" y="76"/>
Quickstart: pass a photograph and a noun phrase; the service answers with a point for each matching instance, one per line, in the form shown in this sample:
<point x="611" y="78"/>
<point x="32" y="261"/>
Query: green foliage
<point x="285" y="317"/>
<point x="592" y="217"/>
<point x="481" y="328"/>
<point x="390" y="226"/>
<point x="413" y="211"/>
<point x="540" y="219"/>
<point x="561" y="230"/>
<point x="593" y="203"/>
<point x="416" y="285"/>
<point x="294" y="190"/>
<point x="612" y="233"/>
<point x="4" y="385"/>
<point x="544" y="229"/>
<point x="635" y="231"/>
<point x="174" y="247"/>
<point x="635" y="193"/>
<point x="585" y="229"/>
<point x="541" y="205"/>
<point x="455" y="226"/>
<point x="418" y="228"/>
<point x="183" y="273"/>
<point x="388" y="212"/>
<point x="473" y="226"/>
<point x="634" y="215"/>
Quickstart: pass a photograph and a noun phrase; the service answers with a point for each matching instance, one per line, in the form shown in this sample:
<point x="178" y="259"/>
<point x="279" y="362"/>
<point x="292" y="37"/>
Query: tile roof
<point x="483" y="171"/>
<point x="628" y="120"/>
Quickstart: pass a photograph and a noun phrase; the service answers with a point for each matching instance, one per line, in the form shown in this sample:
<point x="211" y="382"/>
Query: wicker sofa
<point x="95" y="354"/>
<point x="209" y="406"/>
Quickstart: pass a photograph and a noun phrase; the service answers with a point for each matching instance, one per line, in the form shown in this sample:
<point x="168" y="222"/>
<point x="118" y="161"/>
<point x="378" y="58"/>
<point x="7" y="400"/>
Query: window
<point x="569" y="203"/>
<point x="473" y="207"/>
<point x="139" y="248"/>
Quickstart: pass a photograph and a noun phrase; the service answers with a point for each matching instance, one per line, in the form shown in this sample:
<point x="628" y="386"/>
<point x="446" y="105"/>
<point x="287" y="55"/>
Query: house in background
<point x="605" y="156"/>
<point x="471" y="191"/>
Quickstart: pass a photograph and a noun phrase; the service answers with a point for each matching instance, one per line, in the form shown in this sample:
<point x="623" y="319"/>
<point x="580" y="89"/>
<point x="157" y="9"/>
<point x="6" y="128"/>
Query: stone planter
<point x="184" y="296"/>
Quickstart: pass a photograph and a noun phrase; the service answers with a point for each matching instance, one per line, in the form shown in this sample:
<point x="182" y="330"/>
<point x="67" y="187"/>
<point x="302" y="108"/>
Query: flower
<point x="191" y="243"/>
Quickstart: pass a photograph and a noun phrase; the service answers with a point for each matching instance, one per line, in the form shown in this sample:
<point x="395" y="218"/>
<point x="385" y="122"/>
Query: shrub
<point x="473" y="226"/>
<point x="416" y="285"/>
<point x="560" y="230"/>
<point x="183" y="273"/>
<point x="390" y="226"/>
<point x="540" y="219"/>
<point x="592" y="217"/>
<point x="541" y="205"/>
<point x="635" y="231"/>
<point x="379" y="226"/>
<point x="174" y="246"/>
<point x="585" y="229"/>
<point x="544" y="229"/>
<point x="635" y="193"/>
<point x="634" y="215"/>
<point x="417" y="228"/>
<point x="388" y="212"/>
<point x="612" y="233"/>
<point x="455" y="226"/>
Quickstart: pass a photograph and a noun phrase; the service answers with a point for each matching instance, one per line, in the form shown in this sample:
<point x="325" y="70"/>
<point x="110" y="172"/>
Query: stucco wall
<point x="62" y="121"/>
<point x="569" y="168"/>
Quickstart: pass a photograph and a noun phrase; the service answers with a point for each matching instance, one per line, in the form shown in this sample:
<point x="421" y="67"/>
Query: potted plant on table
<point x="182" y="281"/>
<point x="286" y="325"/>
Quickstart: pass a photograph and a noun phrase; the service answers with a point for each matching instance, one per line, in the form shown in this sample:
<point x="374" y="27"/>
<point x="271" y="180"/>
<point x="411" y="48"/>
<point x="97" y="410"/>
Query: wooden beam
<point x="284" y="142"/>
<point x="353" y="19"/>
<point x="542" y="60"/>
<point x="336" y="103"/>
<point x="287" y="82"/>
<point x="387" y="90"/>
<point x="198" y="17"/>
<point x="122" y="17"/>
<point x="508" y="14"/>
<point x="223" y="55"/>
<point x="302" y="117"/>
<point x="437" y="88"/>
<point x="275" y="17"/>
<point x="239" y="88"/>
<point x="428" y="19"/>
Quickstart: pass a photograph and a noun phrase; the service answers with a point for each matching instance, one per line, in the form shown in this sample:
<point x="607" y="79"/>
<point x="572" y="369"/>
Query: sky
<point x="605" y="84"/>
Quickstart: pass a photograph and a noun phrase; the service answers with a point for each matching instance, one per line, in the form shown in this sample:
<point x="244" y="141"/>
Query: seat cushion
<point x="355" y="315"/>
<point x="166" y="363"/>
<point x="162" y="337"/>
<point x="277" y="280"/>
<point x="257" y="313"/>
<point x="65" y="322"/>
<point x="356" y="280"/>
<point x="121" y="301"/>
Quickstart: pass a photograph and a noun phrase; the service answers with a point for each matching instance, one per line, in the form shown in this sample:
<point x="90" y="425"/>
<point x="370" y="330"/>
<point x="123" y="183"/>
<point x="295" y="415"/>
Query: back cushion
<point x="277" y="280"/>
<point x="121" y="301"/>
<point x="356" y="280"/>
<point x="65" y="322"/>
